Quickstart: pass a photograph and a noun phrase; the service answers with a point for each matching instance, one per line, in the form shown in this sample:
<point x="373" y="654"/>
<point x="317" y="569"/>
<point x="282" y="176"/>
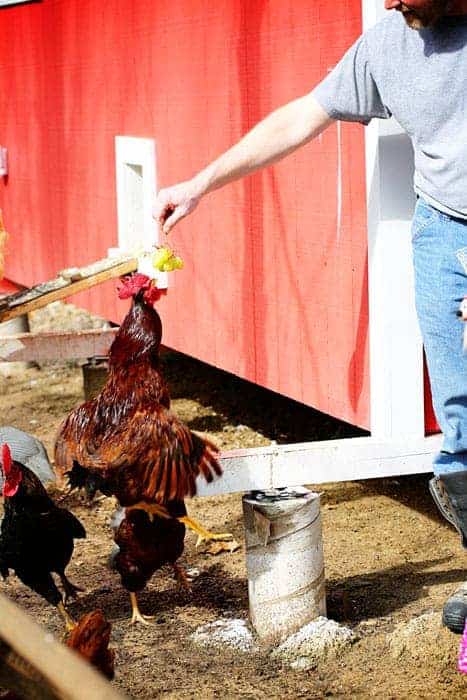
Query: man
<point x="413" y="65"/>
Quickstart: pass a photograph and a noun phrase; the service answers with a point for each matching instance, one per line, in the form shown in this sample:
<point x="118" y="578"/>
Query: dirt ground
<point x="390" y="560"/>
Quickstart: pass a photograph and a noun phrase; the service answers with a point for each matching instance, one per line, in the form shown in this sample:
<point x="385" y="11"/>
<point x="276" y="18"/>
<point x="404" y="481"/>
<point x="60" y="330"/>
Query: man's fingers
<point x="161" y="211"/>
<point x="166" y="213"/>
<point x="177" y="214"/>
<point x="172" y="204"/>
<point x="168" y="216"/>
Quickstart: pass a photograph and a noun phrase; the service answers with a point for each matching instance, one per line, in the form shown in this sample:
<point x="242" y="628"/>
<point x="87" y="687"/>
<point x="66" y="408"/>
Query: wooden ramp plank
<point x="67" y="283"/>
<point x="68" y="677"/>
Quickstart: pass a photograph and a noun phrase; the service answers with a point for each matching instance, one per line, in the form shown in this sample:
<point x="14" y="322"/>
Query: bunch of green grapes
<point x="165" y="260"/>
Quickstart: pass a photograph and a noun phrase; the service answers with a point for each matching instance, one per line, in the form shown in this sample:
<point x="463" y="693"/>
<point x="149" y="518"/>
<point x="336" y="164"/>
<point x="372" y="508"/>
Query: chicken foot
<point x="151" y="509"/>
<point x="69" y="622"/>
<point x="136" y="614"/>
<point x="225" y="540"/>
<point x="182" y="577"/>
<point x="71" y="591"/>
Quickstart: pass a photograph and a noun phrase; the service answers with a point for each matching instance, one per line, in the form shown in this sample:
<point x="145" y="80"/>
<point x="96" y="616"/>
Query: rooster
<point x="36" y="536"/>
<point x="126" y="442"/>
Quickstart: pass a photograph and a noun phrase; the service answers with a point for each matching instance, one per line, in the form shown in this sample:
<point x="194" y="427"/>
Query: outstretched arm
<point x="280" y="133"/>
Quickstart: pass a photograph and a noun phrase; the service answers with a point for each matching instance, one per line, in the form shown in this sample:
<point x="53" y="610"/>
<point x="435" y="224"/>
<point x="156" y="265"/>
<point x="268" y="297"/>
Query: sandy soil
<point x="390" y="560"/>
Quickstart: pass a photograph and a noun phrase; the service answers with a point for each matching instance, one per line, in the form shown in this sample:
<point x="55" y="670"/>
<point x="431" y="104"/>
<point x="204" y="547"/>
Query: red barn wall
<point x="275" y="285"/>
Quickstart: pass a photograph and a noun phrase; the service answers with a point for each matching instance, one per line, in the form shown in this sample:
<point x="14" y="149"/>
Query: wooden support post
<point x="17" y="325"/>
<point x="284" y="560"/>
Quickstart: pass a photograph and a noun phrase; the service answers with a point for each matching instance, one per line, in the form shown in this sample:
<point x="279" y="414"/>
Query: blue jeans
<point x="440" y="264"/>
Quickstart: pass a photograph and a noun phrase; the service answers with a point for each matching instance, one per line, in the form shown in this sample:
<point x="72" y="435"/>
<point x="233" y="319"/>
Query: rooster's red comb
<point x="133" y="284"/>
<point x="6" y="458"/>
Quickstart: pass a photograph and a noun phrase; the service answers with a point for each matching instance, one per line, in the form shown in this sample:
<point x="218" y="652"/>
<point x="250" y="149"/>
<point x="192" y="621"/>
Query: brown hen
<point x="144" y="546"/>
<point x="90" y="638"/>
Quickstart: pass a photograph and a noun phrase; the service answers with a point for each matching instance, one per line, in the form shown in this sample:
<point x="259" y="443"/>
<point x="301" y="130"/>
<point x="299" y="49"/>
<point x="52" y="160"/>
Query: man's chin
<point x="429" y="17"/>
<point x="414" y="22"/>
<point x="417" y="23"/>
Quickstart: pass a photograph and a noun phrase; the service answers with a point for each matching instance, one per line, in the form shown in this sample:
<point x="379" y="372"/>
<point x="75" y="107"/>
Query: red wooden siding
<point x="275" y="286"/>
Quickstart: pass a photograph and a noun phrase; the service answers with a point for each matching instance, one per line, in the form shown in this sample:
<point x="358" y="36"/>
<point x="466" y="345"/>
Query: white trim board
<point x="136" y="179"/>
<point x="135" y="160"/>
<point x="396" y="349"/>
<point x="321" y="462"/>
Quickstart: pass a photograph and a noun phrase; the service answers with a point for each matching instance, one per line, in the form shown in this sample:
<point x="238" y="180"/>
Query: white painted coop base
<point x="259" y="468"/>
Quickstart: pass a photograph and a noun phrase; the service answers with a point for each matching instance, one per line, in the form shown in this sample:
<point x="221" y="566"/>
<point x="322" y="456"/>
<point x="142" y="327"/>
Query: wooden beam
<point x="56" y="345"/>
<point x="349" y="459"/>
<point x="68" y="676"/>
<point x="69" y="282"/>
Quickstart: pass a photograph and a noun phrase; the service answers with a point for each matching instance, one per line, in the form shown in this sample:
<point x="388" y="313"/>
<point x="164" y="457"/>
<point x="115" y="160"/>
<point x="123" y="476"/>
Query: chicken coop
<point x="297" y="279"/>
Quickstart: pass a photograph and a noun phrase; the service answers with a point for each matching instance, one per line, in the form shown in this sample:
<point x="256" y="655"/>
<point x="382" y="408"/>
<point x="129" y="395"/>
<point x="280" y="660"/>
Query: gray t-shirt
<point x="420" y="77"/>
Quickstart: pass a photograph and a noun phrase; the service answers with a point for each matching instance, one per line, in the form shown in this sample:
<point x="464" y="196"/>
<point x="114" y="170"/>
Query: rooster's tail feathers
<point x="207" y="462"/>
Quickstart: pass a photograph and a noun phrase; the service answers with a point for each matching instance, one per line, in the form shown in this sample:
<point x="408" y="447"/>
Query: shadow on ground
<point x="381" y="593"/>
<point x="214" y="589"/>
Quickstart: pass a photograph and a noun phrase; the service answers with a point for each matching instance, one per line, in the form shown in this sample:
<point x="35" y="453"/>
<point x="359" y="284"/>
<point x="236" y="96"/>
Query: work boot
<point x="449" y="492"/>
<point x="455" y="610"/>
<point x="440" y="498"/>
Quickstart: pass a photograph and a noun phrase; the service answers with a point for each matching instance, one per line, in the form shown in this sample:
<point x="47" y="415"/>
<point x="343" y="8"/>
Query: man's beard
<point x="426" y="17"/>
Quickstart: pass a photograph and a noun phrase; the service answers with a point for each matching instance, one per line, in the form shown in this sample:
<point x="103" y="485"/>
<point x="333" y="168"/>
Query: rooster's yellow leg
<point x="225" y="539"/>
<point x="151" y="509"/>
<point x="136" y="615"/>
<point x="69" y="622"/>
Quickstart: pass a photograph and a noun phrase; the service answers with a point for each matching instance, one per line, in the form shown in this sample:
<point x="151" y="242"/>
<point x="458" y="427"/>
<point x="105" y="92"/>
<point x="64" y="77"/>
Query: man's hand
<point x="173" y="203"/>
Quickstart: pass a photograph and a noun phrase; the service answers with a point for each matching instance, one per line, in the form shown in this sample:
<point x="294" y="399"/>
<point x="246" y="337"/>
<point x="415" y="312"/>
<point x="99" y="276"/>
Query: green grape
<point x="161" y="257"/>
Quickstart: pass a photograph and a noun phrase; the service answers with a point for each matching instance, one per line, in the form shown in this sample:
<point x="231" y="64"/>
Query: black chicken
<point x="36" y="536"/>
